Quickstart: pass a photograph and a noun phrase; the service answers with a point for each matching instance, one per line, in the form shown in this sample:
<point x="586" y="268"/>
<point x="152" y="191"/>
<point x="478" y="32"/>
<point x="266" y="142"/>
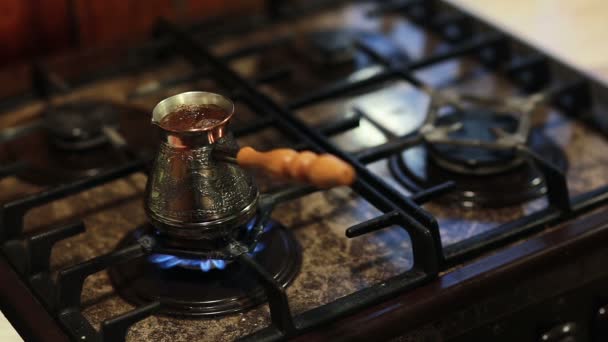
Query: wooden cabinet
<point x="14" y="29"/>
<point x="103" y="22"/>
<point x="30" y="28"/>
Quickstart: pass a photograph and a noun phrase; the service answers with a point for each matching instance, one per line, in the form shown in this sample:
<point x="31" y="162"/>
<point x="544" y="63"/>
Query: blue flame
<point x="166" y="261"/>
<point x="219" y="264"/>
<point x="269" y="227"/>
<point x="258" y="248"/>
<point x="205" y="265"/>
<point x="251" y="224"/>
<point x="160" y="258"/>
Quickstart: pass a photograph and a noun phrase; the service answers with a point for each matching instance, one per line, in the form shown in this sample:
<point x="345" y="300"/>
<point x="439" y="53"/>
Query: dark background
<point x="37" y="28"/>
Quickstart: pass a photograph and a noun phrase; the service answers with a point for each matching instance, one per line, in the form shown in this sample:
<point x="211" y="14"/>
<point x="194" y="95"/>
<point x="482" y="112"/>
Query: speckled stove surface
<point x="333" y="266"/>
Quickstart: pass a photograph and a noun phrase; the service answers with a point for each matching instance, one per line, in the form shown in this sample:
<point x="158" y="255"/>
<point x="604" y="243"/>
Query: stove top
<point x="472" y="151"/>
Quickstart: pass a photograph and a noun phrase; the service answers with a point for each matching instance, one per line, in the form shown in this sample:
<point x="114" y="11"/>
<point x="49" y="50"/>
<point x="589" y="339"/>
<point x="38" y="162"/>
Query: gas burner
<point x="477" y="143"/>
<point x="476" y="125"/>
<point x="191" y="287"/>
<point x="80" y="125"/>
<point x="74" y="143"/>
<point x="417" y="170"/>
<point x="330" y="48"/>
<point x="337" y="48"/>
<point x="328" y="55"/>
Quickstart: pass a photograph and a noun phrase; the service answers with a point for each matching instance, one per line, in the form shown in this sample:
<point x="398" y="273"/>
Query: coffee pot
<point x="199" y="192"/>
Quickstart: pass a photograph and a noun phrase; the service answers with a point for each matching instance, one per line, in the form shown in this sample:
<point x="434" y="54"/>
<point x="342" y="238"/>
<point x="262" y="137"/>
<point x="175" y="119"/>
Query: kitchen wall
<point x="31" y="28"/>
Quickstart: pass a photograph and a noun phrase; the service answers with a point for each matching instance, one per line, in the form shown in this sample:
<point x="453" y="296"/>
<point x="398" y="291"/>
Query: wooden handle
<point x="323" y="171"/>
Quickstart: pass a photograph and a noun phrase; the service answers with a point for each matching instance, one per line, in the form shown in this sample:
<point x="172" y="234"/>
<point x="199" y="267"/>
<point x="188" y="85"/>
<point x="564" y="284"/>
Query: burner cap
<point x="204" y="290"/>
<point x="79" y="125"/>
<point x="476" y="125"/>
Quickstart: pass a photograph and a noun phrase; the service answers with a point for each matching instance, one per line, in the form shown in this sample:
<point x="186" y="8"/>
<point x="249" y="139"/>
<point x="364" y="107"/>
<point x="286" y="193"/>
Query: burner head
<point x="191" y="287"/>
<point x="318" y="57"/>
<point x="79" y="125"/>
<point x="166" y="261"/>
<point x="223" y="243"/>
<point x="417" y="169"/>
<point x="331" y="48"/>
<point x="59" y="152"/>
<point x="477" y="124"/>
<point x="339" y="48"/>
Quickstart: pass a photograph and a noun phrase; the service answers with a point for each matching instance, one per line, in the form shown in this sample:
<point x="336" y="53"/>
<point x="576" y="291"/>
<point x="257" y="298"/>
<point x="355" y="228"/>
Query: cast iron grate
<point x="30" y="255"/>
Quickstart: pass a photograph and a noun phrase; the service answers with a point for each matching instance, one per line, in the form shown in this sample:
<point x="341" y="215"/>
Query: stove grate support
<point x="71" y="279"/>
<point x="68" y="290"/>
<point x="116" y="329"/>
<point x="454" y="27"/>
<point x="530" y="73"/>
<point x="12" y="213"/>
<point x="280" y="314"/>
<point x="12" y="169"/>
<point x="392" y="72"/>
<point x="31" y="258"/>
<point x="38" y="247"/>
<point x="283" y="325"/>
<point x="557" y="187"/>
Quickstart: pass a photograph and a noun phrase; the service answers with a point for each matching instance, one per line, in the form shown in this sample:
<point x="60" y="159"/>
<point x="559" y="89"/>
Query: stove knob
<point x="321" y="170"/>
<point x="566" y="332"/>
<point x="600" y="324"/>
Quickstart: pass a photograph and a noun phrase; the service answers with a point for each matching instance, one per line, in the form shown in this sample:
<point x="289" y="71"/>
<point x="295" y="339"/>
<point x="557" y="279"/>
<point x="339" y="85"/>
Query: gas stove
<point x="478" y="212"/>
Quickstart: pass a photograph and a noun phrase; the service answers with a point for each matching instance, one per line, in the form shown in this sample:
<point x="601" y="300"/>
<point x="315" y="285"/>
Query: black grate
<point x="532" y="73"/>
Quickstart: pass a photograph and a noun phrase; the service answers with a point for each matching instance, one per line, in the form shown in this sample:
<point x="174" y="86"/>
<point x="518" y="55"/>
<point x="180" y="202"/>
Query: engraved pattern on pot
<point x="187" y="185"/>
